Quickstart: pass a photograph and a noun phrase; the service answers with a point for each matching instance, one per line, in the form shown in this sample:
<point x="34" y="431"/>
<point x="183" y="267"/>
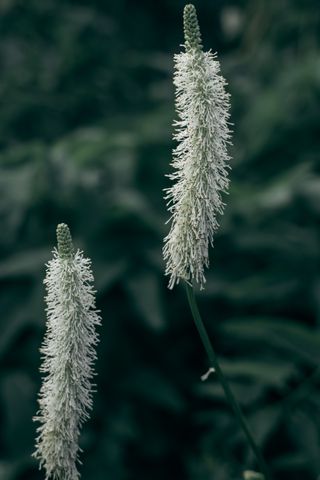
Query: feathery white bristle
<point x="68" y="351"/>
<point x="201" y="165"/>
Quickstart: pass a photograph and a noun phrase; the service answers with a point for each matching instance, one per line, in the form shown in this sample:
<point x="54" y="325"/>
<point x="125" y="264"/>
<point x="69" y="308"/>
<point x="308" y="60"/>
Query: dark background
<point x="86" y="107"/>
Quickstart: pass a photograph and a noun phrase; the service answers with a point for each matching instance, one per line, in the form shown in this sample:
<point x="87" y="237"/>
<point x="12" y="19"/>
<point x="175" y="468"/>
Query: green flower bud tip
<point x="64" y="240"/>
<point x="192" y="35"/>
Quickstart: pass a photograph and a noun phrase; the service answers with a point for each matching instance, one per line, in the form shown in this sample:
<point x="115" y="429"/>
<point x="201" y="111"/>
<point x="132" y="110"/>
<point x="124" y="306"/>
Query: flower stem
<point x="224" y="382"/>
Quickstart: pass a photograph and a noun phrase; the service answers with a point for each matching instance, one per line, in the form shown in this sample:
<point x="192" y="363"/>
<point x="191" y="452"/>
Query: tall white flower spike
<point x="200" y="160"/>
<point x="68" y="352"/>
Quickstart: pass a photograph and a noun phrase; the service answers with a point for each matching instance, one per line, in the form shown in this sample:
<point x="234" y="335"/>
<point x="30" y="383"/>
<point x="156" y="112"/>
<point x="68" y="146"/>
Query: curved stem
<point x="224" y="382"/>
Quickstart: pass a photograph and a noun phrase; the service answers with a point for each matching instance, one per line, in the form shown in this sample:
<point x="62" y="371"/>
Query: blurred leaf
<point x="26" y="264"/>
<point x="17" y="393"/>
<point x="281" y="333"/>
<point x="107" y="274"/>
<point x="272" y="373"/>
<point x="144" y="290"/>
<point x="265" y="422"/>
<point x="251" y="475"/>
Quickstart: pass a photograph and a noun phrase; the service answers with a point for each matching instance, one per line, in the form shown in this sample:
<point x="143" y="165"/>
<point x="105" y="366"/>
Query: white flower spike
<point x="68" y="351"/>
<point x="200" y="160"/>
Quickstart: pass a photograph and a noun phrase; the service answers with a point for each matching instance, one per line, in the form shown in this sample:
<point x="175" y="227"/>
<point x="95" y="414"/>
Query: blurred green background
<point x="86" y="107"/>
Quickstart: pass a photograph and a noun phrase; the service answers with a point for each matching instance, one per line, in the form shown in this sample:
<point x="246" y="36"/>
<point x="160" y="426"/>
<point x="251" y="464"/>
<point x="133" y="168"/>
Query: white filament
<point x="68" y="355"/>
<point x="200" y="161"/>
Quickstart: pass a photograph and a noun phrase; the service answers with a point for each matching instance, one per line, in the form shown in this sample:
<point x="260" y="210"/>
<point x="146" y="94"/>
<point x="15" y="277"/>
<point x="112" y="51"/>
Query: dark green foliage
<point x="85" y="134"/>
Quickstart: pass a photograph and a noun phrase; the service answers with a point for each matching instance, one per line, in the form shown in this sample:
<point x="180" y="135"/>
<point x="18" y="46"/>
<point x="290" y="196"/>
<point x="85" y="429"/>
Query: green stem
<point x="224" y="382"/>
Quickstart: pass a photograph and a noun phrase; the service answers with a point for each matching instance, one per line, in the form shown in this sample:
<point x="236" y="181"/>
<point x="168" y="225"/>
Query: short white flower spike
<point x="201" y="160"/>
<point x="68" y="351"/>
